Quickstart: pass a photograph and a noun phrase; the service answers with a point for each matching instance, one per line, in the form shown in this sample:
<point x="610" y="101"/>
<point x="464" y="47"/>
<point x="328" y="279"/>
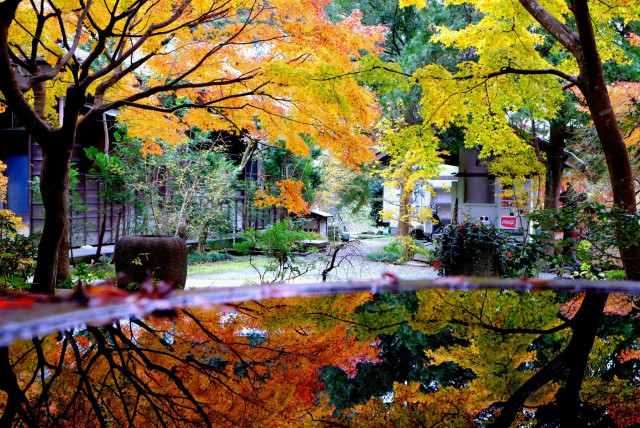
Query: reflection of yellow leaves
<point x="412" y="407"/>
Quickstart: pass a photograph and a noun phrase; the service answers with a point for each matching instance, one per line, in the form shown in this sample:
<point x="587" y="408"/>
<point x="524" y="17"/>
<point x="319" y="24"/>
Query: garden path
<point x="356" y="267"/>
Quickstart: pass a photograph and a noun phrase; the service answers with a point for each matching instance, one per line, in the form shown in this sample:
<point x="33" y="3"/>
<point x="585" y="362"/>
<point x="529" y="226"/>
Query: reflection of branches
<point x="168" y="372"/>
<point x="573" y="358"/>
<point x="500" y="330"/>
<point x="367" y="326"/>
<point x="84" y="379"/>
<point x="512" y="330"/>
<point x="16" y="398"/>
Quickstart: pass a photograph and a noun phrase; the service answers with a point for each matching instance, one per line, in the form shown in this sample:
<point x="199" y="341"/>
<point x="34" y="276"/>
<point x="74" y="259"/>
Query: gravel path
<point x="354" y="266"/>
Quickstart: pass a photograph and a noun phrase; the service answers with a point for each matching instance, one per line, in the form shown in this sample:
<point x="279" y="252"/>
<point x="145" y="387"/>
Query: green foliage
<point x="615" y="275"/>
<point x="89" y="273"/>
<point x="396" y="251"/>
<point x="522" y="259"/>
<point x="188" y="186"/>
<point x="110" y="172"/>
<point x="600" y="231"/>
<point x="359" y="192"/>
<point x="281" y="243"/>
<point x="386" y="257"/>
<point x="470" y="249"/>
<point x="208" y="257"/>
<point x="17" y="255"/>
<point x="401" y="354"/>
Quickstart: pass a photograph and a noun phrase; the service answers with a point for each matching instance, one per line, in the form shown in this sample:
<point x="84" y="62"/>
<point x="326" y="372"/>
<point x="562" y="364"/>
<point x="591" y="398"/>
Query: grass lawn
<point x="237" y="263"/>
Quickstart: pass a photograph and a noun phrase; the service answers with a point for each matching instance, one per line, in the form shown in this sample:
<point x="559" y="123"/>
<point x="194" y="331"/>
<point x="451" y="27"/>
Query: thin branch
<point x="353" y="73"/>
<point x="70" y="53"/>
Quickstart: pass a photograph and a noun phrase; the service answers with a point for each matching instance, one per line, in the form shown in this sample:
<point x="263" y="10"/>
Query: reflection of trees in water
<point x="430" y="358"/>
<point x="200" y="368"/>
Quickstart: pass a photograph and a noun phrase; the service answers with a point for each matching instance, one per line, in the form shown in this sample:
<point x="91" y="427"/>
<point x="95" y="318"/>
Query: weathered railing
<point x="25" y="316"/>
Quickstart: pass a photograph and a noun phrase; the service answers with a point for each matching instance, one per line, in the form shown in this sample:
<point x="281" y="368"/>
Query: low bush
<point x="470" y="249"/>
<point x="386" y="257"/>
<point x="396" y="251"/>
<point x="199" y="258"/>
<point x="615" y="275"/>
<point x="17" y="252"/>
<point x="281" y="244"/>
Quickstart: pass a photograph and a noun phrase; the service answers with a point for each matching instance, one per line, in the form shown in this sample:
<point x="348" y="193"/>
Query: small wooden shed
<point x="317" y="221"/>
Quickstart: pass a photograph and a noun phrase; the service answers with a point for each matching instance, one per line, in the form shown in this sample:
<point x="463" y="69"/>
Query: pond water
<point x="427" y="356"/>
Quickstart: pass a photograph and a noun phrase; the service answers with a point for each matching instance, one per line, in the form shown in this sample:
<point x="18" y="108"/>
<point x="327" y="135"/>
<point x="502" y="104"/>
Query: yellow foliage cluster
<point x="7" y="217"/>
<point x="480" y="97"/>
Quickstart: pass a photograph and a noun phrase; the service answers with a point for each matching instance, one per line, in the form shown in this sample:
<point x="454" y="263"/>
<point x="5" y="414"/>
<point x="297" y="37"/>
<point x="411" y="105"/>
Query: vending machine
<point x="510" y="214"/>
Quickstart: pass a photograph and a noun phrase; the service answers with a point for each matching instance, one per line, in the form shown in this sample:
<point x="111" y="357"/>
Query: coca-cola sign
<point x="508" y="222"/>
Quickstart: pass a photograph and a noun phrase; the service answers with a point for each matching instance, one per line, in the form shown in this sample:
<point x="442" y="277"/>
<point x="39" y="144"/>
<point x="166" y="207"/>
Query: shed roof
<point x="319" y="213"/>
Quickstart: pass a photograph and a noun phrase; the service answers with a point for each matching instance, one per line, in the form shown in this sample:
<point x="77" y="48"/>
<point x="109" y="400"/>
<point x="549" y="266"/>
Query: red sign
<point x="508" y="222"/>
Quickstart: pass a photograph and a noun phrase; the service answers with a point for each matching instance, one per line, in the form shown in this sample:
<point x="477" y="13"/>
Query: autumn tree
<point x="249" y="65"/>
<point x="509" y="74"/>
<point x="413" y="155"/>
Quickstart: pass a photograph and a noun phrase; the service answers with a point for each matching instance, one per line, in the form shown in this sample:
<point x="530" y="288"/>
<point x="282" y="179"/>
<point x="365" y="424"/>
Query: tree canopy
<point x="267" y="69"/>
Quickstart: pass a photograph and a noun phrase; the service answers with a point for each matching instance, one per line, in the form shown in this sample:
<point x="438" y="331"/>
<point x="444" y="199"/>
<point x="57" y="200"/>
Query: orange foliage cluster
<point x="634" y="39"/>
<point x="290" y="58"/>
<point x="625" y="411"/>
<point x="150" y="147"/>
<point x="624" y="98"/>
<point x="617" y="304"/>
<point x="290" y="197"/>
<point x="628" y="355"/>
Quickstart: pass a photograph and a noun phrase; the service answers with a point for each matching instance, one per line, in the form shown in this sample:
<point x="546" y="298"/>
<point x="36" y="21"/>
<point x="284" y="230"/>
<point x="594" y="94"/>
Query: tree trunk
<point x="404" y="217"/>
<point x="54" y="185"/>
<point x="118" y="221"/>
<point x="202" y="238"/>
<point x="64" y="265"/>
<point x="555" y="167"/>
<point x="553" y="173"/>
<point x="103" y="228"/>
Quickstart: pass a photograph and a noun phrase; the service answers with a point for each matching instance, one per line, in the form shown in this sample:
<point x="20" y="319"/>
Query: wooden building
<point x="23" y="157"/>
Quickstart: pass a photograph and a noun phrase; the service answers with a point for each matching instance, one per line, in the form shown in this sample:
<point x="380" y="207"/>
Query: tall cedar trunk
<point x="594" y="88"/>
<point x="54" y="186"/>
<point x="553" y="172"/>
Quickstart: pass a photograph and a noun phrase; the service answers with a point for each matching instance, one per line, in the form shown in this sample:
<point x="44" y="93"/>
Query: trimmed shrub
<point x="199" y="258"/>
